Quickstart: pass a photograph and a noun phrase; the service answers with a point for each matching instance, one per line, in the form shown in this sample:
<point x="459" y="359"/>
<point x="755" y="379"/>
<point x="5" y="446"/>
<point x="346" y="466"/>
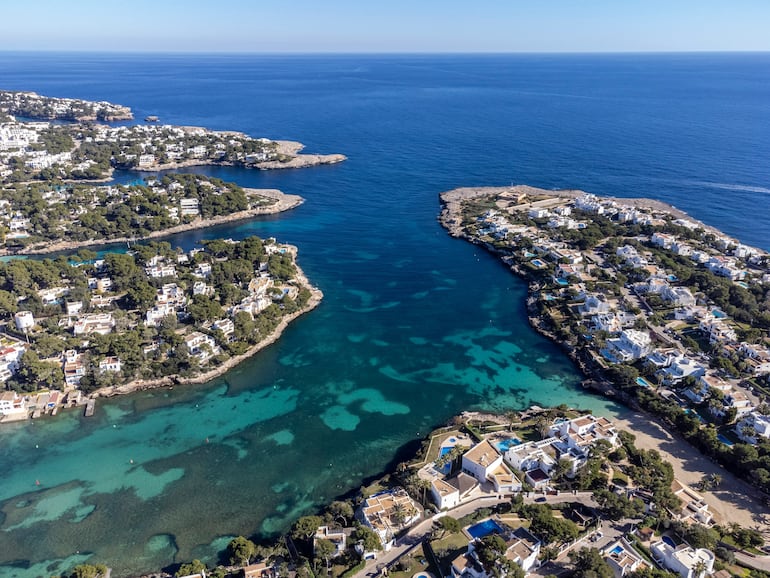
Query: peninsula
<point x="49" y="200"/>
<point x="659" y="310"/>
<point x="53" y="218"/>
<point x="157" y="316"/>
<point x="81" y="150"/>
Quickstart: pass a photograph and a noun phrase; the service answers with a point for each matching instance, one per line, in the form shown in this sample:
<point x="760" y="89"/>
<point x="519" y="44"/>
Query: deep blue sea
<point x="415" y="326"/>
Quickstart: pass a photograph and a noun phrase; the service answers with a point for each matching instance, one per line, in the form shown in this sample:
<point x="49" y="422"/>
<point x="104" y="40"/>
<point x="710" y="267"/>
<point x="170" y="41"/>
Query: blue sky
<point x="386" y="25"/>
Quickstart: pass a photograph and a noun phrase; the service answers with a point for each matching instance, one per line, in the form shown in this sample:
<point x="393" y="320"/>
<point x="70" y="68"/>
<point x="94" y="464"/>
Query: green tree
<point x="367" y="538"/>
<point x="88" y="571"/>
<point x="448" y="524"/>
<point x="306" y="527"/>
<point x="194" y="567"/>
<point x="325" y="550"/>
<point x="589" y="563"/>
<point x="203" y="308"/>
<point x="241" y="550"/>
<point x="340" y="510"/>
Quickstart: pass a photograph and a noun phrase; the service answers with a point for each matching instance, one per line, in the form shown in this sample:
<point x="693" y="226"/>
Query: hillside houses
<point x="644" y="288"/>
<point x="157" y="328"/>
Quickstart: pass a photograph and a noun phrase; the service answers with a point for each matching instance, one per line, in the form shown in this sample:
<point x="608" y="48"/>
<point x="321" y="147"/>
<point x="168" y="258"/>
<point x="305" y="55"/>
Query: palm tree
<point x="699" y="569"/>
<point x="748" y="431"/>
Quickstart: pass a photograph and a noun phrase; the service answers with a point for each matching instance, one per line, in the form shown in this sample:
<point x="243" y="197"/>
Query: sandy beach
<point x="734" y="501"/>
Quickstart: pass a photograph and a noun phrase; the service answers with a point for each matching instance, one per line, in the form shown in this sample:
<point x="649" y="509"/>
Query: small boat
<point x="151" y="118"/>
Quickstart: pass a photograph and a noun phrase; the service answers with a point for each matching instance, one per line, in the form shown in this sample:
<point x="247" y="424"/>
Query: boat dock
<point x="90" y="408"/>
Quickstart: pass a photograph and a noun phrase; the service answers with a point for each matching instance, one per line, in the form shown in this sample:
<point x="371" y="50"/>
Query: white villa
<point x="522" y="548"/>
<point x="12" y="404"/>
<point x="584" y="431"/>
<point x="622" y="557"/>
<point x="387" y="512"/>
<point x="752" y="427"/>
<point x="683" y="559"/>
<point x="678" y="296"/>
<point x="101" y="323"/>
<point x="201" y="345"/>
<point x="631" y="345"/>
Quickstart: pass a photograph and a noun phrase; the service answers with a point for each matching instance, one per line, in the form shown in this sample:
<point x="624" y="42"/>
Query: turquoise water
<point x="415" y="327"/>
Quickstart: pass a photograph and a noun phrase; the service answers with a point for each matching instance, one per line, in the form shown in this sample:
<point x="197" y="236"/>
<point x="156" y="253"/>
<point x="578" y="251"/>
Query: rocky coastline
<point x="283" y="202"/>
<point x="450" y="218"/>
<point x="316" y="296"/>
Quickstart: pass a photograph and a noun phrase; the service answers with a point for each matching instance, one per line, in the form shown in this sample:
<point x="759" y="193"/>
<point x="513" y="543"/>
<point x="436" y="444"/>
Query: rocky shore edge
<point x="738" y="499"/>
<point x="283" y="202"/>
<point x="452" y="200"/>
<point x="316" y="296"/>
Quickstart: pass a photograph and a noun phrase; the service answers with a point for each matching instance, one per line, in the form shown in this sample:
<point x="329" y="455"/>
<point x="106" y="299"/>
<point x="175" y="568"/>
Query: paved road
<point x="758" y="562"/>
<point x="419" y="532"/>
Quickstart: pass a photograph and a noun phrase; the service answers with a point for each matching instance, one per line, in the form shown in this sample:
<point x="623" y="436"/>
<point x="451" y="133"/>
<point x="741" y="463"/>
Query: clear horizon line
<point x="383" y="53"/>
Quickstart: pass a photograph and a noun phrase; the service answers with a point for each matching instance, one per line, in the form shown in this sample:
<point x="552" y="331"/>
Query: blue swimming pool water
<point x="670" y="541"/>
<point x="696" y="414"/>
<point x="485" y="528"/>
<point x="446" y="468"/>
<point x="562" y="282"/>
<point x="724" y="440"/>
<point x="642" y="382"/>
<point x="616" y="550"/>
<point x="718" y="314"/>
<point x="504" y="445"/>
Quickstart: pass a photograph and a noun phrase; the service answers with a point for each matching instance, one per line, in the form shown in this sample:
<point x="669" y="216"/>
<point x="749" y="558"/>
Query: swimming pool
<point x="562" y="282"/>
<point x="617" y="549"/>
<point x="694" y="413"/>
<point x="504" y="445"/>
<point x="485" y="528"/>
<point x="669" y="540"/>
<point x="718" y="313"/>
<point x="537" y="263"/>
<point x="643" y="382"/>
<point x="724" y="440"/>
